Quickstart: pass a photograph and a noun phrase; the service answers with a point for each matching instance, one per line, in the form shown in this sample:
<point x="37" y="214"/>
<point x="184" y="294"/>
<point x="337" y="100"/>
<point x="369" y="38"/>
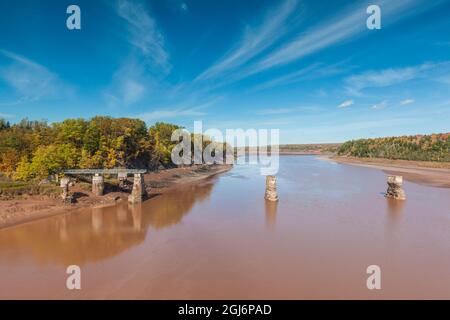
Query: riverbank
<point x="28" y="208"/>
<point x="436" y="174"/>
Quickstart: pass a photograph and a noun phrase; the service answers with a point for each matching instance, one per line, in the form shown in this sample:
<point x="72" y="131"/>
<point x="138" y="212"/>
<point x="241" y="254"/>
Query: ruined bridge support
<point x="138" y="191"/>
<point x="64" y="184"/>
<point x="98" y="185"/>
<point x="395" y="190"/>
<point x="271" y="188"/>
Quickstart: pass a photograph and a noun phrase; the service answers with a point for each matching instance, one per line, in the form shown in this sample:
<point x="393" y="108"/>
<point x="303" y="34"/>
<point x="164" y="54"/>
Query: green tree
<point x="161" y="143"/>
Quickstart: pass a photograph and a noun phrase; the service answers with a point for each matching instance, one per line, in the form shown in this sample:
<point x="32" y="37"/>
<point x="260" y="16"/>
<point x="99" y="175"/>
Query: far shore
<point x="436" y="174"/>
<point x="22" y="210"/>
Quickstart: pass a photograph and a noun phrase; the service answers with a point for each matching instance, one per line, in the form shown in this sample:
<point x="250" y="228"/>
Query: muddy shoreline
<point x="435" y="174"/>
<point x="22" y="210"/>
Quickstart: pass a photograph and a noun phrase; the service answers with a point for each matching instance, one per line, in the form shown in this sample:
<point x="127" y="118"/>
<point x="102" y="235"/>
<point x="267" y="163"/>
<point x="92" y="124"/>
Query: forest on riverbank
<point x="31" y="150"/>
<point x="433" y="147"/>
<point x="35" y="149"/>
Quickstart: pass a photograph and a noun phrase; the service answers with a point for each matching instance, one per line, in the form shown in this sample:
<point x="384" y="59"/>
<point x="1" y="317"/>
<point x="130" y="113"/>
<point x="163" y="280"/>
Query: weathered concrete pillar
<point x="98" y="185"/>
<point x="395" y="189"/>
<point x="66" y="197"/>
<point x="271" y="188"/>
<point x="64" y="182"/>
<point x="138" y="191"/>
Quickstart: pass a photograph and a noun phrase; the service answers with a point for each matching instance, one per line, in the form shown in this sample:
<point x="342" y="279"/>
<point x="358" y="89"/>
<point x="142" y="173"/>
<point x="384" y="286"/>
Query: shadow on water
<point x="96" y="234"/>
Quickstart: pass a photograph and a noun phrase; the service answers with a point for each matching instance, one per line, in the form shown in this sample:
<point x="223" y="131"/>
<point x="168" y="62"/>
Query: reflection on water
<point x="98" y="233"/>
<point x="271" y="213"/>
<point x="395" y="208"/>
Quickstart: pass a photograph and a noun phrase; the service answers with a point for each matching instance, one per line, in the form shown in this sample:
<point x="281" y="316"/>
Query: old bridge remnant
<point x="271" y="188"/>
<point x="138" y="191"/>
<point x="98" y="185"/>
<point x="64" y="184"/>
<point x="98" y="181"/>
<point x="395" y="190"/>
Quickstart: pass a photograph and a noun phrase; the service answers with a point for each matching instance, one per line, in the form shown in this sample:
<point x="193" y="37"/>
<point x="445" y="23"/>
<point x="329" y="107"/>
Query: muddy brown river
<point x="220" y="239"/>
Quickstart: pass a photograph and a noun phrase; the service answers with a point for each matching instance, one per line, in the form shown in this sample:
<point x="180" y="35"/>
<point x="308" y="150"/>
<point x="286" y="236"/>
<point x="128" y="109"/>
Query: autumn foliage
<point x="36" y="149"/>
<point x="434" y="147"/>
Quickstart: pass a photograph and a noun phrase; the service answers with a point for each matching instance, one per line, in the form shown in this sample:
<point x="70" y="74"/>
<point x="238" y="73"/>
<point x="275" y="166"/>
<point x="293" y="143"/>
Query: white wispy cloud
<point x="444" y="78"/>
<point x="383" y="78"/>
<point x="346" y="103"/>
<point x="148" y="61"/>
<point x="178" y="111"/>
<point x="129" y="85"/>
<point x="132" y="91"/>
<point x="143" y="32"/>
<point x="311" y="72"/>
<point x="406" y="102"/>
<point x="387" y="77"/>
<point x="30" y="80"/>
<point x="380" y="105"/>
<point x="254" y="41"/>
<point x="342" y="27"/>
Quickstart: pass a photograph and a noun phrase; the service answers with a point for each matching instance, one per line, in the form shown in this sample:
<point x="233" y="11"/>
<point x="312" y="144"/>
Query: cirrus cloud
<point x="380" y="105"/>
<point x="30" y="80"/>
<point x="406" y="102"/>
<point x="346" y="103"/>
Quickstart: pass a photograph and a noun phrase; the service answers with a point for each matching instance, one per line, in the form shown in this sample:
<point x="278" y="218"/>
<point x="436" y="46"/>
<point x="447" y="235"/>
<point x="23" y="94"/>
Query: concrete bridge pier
<point x="271" y="188"/>
<point x="64" y="184"/>
<point x="98" y="185"/>
<point x="138" y="191"/>
<point x="395" y="190"/>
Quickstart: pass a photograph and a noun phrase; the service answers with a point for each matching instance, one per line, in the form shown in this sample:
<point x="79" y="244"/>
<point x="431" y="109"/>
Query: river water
<point x="221" y="239"/>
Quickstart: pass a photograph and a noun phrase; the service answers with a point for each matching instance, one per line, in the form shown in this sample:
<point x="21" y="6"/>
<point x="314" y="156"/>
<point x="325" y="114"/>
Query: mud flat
<point x="436" y="174"/>
<point x="28" y="208"/>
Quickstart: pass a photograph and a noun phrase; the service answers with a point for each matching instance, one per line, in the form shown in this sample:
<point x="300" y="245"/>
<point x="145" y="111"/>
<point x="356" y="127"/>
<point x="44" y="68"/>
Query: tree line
<point x="433" y="147"/>
<point x="35" y="149"/>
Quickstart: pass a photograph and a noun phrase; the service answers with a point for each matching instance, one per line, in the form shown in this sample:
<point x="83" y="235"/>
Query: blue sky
<point x="309" y="68"/>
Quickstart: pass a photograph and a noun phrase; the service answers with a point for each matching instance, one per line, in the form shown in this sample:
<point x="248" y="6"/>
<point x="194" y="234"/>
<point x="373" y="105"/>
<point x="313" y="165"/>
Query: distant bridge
<point x="105" y="171"/>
